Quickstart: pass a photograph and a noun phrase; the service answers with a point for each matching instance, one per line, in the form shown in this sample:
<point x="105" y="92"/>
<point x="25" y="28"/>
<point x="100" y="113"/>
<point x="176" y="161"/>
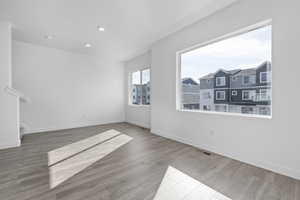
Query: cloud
<point x="244" y="51"/>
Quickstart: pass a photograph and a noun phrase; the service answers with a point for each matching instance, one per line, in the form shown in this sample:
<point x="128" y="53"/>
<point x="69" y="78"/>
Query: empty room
<point x="149" y="100"/>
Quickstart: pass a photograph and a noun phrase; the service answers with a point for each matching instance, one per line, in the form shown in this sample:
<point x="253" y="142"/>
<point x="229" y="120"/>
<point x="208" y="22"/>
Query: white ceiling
<point x="131" y="26"/>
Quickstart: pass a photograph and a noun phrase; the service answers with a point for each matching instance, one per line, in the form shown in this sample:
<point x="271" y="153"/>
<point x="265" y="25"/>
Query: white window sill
<point x="227" y="114"/>
<point x="139" y="106"/>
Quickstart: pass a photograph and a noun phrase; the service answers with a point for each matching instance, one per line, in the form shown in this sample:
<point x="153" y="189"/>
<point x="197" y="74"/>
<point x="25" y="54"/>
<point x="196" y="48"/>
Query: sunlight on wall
<point x="71" y="159"/>
<point x="179" y="186"/>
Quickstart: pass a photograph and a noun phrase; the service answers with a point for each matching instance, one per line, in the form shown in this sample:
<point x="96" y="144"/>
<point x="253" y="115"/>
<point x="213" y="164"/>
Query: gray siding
<point x="190" y="94"/>
<point x="207" y="83"/>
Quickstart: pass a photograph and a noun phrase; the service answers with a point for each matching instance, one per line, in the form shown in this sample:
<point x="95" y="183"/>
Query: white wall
<point x="9" y="104"/>
<point x="66" y="90"/>
<point x="139" y="115"/>
<point x="273" y="144"/>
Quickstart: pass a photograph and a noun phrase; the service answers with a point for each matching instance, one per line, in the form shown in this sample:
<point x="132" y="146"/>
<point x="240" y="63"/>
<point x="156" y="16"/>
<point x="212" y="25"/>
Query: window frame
<point x="243" y="96"/>
<point x="178" y="83"/>
<point x="244" y="78"/>
<point x="267" y="94"/>
<point x="224" y="92"/>
<point x="130" y="87"/>
<point x="223" y="78"/>
<point x="267" y="77"/>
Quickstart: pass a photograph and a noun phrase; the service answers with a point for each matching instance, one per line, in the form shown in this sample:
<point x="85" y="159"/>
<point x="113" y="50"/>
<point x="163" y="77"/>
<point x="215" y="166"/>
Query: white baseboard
<point x="262" y="164"/>
<point x="137" y="123"/>
<point x="77" y="125"/>
<point x="7" y="146"/>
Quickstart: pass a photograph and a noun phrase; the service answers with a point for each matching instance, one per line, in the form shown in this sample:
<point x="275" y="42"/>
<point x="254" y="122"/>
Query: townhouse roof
<point x="234" y="71"/>
<point x="211" y="75"/>
<point x="268" y="63"/>
<point x="249" y="71"/>
<point x="208" y="76"/>
<point x="237" y="71"/>
<point x="189" y="81"/>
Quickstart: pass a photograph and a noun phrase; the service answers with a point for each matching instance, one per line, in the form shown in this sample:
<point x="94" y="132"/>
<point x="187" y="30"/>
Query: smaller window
<point x="246" y="79"/>
<point x="247" y="110"/>
<point x="264" y="95"/>
<point x="220" y="95"/>
<point x="220" y="81"/>
<point x="265" y="77"/>
<point x="264" y="111"/>
<point x="248" y="95"/>
<point x="234" y="93"/>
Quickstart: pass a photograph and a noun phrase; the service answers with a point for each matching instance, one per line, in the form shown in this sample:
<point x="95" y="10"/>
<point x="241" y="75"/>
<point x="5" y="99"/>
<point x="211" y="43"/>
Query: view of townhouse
<point x="140" y="87"/>
<point x="231" y="75"/>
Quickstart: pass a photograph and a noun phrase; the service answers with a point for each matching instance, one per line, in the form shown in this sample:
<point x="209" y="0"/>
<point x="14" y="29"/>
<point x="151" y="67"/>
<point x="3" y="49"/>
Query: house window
<point x="220" y="81"/>
<point x="265" y="77"/>
<point x="246" y="79"/>
<point x="220" y="95"/>
<point x="264" y="110"/>
<point x="247" y="110"/>
<point x="140" y="84"/>
<point x="264" y="95"/>
<point x="249" y="80"/>
<point x="233" y="74"/>
<point x="249" y="95"/>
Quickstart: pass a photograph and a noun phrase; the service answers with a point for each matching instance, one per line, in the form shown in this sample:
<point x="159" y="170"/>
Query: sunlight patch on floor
<point x="179" y="186"/>
<point x="71" y="159"/>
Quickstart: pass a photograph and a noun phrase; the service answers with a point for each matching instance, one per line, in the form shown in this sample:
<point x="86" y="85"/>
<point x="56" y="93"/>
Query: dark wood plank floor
<point x="132" y="172"/>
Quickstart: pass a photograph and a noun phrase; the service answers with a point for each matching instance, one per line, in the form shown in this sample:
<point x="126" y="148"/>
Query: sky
<point x="240" y="52"/>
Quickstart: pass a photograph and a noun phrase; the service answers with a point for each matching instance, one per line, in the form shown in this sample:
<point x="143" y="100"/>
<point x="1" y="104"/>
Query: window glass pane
<point x="140" y="87"/>
<point x="246" y="79"/>
<point x="146" y="87"/>
<point x="146" y="76"/>
<point x="136" y="88"/>
<point x="136" y="78"/>
<point x="241" y="64"/>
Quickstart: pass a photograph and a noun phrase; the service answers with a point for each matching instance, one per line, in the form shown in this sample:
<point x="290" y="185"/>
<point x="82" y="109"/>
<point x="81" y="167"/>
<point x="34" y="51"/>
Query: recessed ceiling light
<point x="101" y="29"/>
<point x="49" y="37"/>
<point x="87" y="45"/>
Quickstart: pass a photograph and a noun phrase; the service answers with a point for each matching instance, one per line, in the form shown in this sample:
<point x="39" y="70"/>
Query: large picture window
<point x="140" y="87"/>
<point x="234" y="72"/>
